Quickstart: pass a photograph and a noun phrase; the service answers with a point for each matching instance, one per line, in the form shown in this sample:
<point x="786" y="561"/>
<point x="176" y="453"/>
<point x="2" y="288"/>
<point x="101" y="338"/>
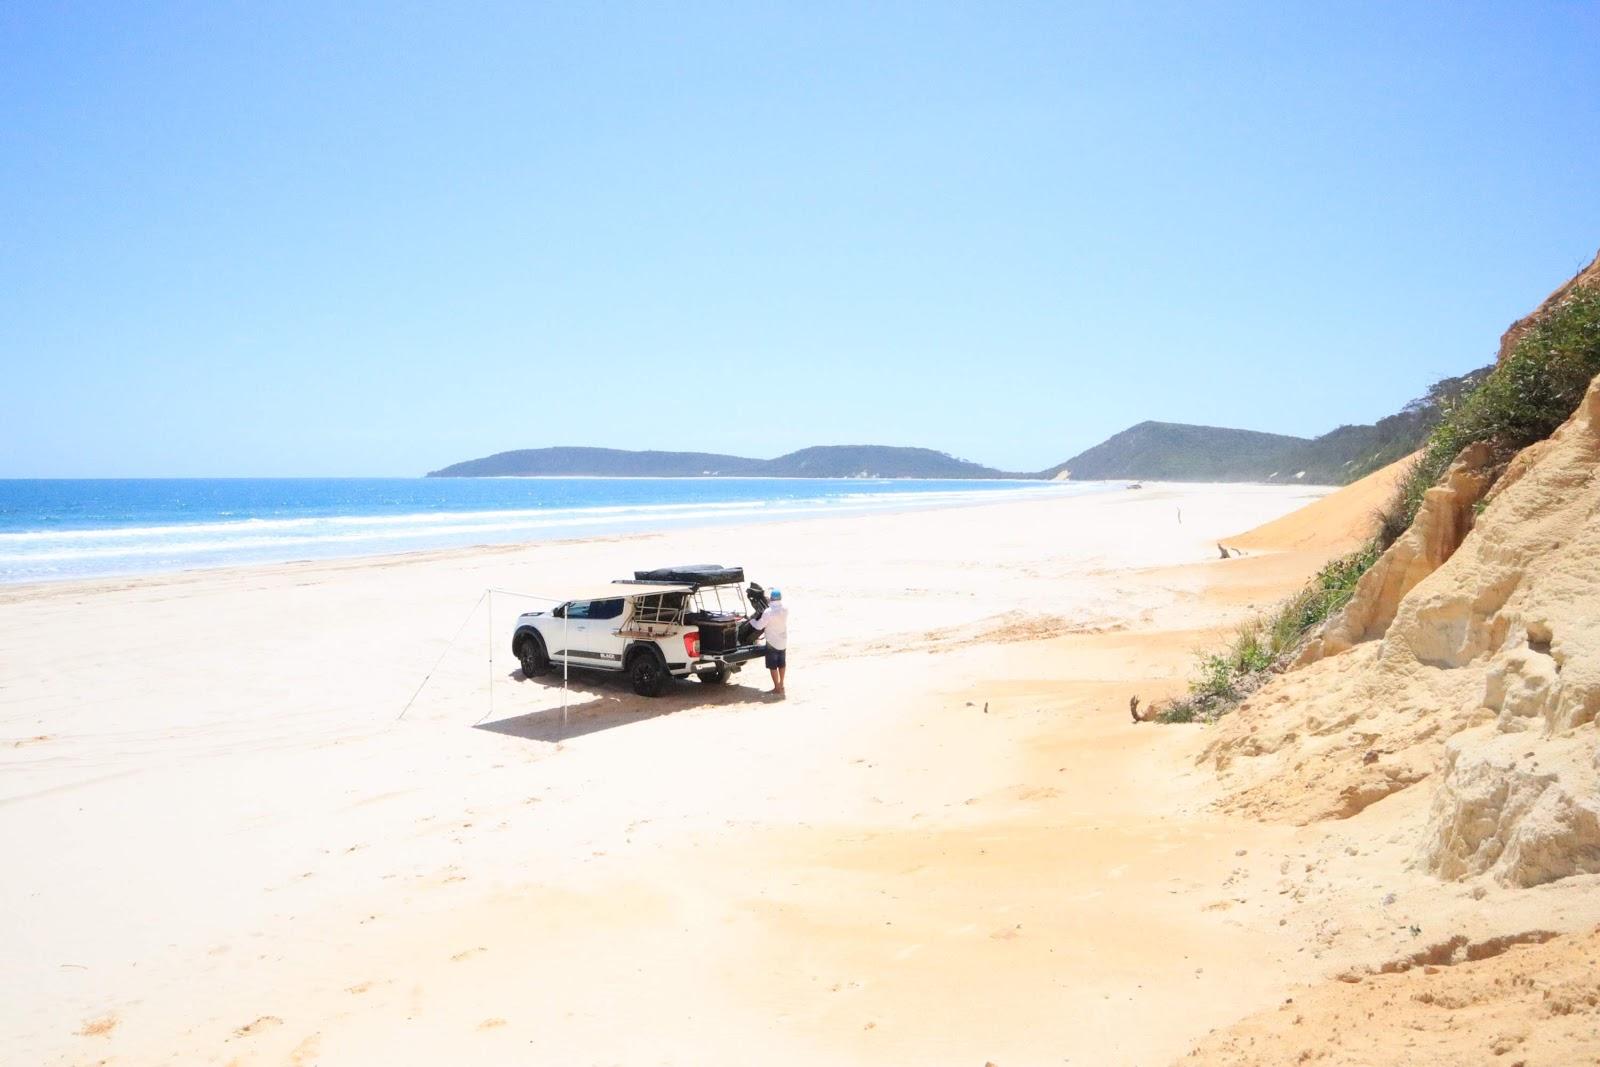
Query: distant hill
<point x="599" y="463"/>
<point x="1178" y="452"/>
<point x="877" y="461"/>
<point x="1159" y="451"/>
<point x="827" y="461"/>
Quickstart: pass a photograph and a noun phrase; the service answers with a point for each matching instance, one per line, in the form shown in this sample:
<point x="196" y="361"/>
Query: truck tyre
<point x="532" y="655"/>
<point x="648" y="673"/>
<point x="715" y="676"/>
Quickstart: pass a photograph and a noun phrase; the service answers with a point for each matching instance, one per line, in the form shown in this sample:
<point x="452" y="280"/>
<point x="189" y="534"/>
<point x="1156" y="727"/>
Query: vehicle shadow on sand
<point x="600" y="702"/>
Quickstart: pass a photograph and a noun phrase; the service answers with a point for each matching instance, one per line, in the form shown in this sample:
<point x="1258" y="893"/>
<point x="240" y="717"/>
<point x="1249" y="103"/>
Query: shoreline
<point x="11" y="589"/>
<point x="296" y="529"/>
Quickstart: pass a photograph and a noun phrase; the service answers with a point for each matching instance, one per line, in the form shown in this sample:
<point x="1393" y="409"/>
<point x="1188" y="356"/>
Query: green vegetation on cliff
<point x="1529" y="393"/>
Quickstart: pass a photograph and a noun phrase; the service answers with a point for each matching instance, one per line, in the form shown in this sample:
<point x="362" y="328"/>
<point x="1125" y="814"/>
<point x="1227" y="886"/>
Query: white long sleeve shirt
<point x="774" y="622"/>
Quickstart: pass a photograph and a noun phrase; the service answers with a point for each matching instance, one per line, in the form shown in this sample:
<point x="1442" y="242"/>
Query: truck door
<point x="566" y="638"/>
<point x="601" y="640"/>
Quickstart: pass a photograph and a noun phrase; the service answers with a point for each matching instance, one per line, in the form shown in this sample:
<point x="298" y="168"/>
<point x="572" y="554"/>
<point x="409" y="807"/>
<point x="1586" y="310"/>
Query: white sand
<point x="223" y="848"/>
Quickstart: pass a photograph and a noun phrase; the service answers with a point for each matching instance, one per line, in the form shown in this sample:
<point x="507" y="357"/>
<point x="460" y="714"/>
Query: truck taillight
<point x="691" y="645"/>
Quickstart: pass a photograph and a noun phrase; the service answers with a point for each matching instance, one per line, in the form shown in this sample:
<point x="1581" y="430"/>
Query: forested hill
<point x="1177" y="452"/>
<point x="1170" y="451"/>
<point x="599" y="463"/>
<point x="878" y="461"/>
<point x="827" y="461"/>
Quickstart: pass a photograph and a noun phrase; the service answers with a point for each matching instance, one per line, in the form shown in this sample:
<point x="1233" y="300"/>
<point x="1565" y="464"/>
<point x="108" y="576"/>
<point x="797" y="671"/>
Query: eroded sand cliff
<point x="1465" y="674"/>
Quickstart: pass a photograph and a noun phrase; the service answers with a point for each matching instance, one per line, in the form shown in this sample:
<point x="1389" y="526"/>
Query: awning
<point x="621" y="589"/>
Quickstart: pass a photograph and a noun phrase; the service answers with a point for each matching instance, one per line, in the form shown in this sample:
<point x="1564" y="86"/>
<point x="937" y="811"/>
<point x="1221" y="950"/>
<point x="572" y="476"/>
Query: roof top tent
<point x="695" y="574"/>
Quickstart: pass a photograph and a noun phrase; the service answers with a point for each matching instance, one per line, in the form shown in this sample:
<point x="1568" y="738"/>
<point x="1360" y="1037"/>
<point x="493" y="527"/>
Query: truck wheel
<point x="532" y="656"/>
<point x="648" y="674"/>
<point x="716" y="676"/>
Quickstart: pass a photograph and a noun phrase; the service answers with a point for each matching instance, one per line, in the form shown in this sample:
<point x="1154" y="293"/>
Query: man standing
<point x="774" y="622"/>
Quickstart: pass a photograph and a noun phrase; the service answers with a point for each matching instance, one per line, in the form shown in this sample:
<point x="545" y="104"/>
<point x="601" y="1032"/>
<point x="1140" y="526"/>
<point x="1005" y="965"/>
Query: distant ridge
<point x="825" y="461"/>
<point x="1178" y="452"/>
<point x="599" y="463"/>
<point x="1158" y="451"/>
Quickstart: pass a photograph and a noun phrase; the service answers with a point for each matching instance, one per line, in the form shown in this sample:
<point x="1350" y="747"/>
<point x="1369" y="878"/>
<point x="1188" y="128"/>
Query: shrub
<point x="1265" y="644"/>
<point x="1533" y="391"/>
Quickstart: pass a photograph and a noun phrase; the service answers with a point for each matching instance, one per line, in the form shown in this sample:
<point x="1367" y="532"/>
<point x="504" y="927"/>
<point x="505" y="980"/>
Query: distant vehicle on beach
<point x="661" y="624"/>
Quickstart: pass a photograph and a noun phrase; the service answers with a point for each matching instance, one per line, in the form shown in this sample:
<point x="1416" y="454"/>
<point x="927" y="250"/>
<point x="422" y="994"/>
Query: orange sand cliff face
<point x="1447" y="718"/>
<point x="1489" y="673"/>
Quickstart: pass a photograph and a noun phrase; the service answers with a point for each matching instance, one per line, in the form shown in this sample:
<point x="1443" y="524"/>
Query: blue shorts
<point x="777" y="657"/>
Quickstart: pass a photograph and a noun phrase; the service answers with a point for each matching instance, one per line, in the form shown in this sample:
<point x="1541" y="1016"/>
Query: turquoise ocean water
<point x="54" y="529"/>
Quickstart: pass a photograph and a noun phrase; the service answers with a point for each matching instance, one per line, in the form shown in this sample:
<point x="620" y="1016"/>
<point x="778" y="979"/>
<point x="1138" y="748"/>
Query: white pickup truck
<point x="663" y="624"/>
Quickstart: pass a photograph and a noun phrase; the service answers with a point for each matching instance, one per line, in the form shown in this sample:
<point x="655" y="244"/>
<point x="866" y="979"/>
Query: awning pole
<point x="566" y="657"/>
<point x="490" y="595"/>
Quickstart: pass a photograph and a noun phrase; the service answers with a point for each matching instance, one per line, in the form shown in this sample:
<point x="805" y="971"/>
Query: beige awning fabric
<point x="612" y="592"/>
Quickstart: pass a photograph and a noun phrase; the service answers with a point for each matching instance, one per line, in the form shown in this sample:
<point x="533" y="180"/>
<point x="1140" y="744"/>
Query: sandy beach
<point x="947" y="846"/>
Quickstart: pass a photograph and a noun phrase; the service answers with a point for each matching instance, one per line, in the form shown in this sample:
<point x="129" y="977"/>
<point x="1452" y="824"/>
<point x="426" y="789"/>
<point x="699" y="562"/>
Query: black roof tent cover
<point x="696" y="574"/>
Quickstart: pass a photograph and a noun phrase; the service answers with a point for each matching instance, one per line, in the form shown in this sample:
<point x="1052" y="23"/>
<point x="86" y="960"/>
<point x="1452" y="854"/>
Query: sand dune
<point x="1339" y="522"/>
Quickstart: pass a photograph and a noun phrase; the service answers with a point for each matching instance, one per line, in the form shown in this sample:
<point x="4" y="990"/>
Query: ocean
<point x="56" y="529"/>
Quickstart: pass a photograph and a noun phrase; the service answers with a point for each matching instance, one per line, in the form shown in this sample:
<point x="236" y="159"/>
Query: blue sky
<point x="289" y="240"/>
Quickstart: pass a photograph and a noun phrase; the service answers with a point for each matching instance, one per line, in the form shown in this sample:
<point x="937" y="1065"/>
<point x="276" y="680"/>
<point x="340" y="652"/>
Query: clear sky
<point x="327" y="239"/>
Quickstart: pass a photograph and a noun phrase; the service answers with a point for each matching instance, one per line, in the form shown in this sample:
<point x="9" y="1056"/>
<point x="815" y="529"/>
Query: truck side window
<point x="578" y="609"/>
<point x="605" y="609"/>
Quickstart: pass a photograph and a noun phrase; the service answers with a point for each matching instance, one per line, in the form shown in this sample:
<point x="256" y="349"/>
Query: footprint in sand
<point x="265" y="1022"/>
<point x="491" y="1024"/>
<point x="100" y="1027"/>
<point x="467" y="954"/>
